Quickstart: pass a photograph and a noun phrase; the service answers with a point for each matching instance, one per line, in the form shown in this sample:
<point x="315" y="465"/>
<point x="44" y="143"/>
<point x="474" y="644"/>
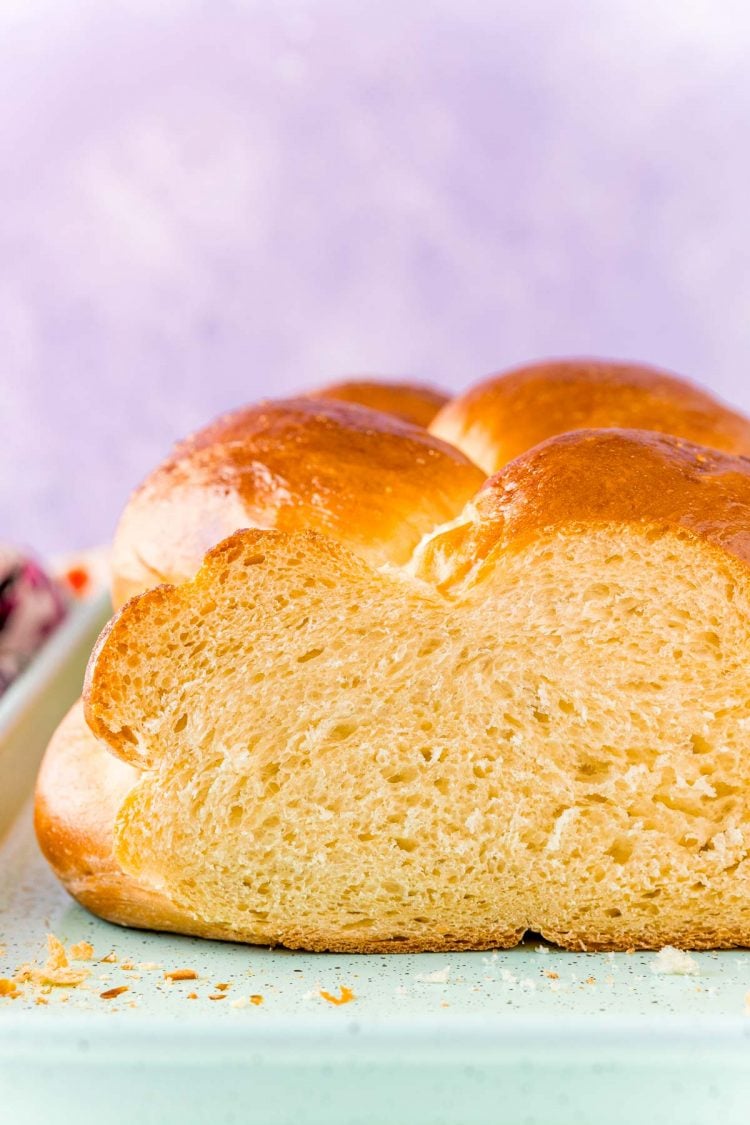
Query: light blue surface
<point x="530" y="1035"/>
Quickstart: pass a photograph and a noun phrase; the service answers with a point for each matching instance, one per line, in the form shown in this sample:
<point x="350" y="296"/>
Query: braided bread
<point x="529" y="714"/>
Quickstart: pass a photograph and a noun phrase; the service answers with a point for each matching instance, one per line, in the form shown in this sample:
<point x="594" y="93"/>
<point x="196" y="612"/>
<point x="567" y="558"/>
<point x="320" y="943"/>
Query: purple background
<point x="215" y="201"/>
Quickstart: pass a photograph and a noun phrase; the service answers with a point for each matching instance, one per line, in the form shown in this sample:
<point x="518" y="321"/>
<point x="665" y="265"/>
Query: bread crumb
<point x="126" y="966"/>
<point x="111" y="993"/>
<point x="346" y="996"/>
<point x="41" y="1000"/>
<point x="240" y="1002"/>
<point x="56" y="969"/>
<point x="440" y="976"/>
<point x="222" y="987"/>
<point x="508" y="976"/>
<point x="192" y="995"/>
<point x="256" y="999"/>
<point x="9" y="988"/>
<point x="109" y="959"/>
<point x="149" y="965"/>
<point x="590" y="980"/>
<point x="673" y="962"/>
<point x="181" y="974"/>
<point x="551" y="974"/>
<point x="218" y="996"/>
<point x="81" y="951"/>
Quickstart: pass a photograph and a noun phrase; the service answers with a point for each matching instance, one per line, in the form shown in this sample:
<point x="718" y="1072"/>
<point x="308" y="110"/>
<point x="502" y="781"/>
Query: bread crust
<point x="509" y="413"/>
<point x="369" y="480"/>
<point x="413" y="402"/>
<point x="592" y="477"/>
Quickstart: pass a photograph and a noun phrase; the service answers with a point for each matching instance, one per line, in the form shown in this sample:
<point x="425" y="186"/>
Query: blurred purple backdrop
<point x="216" y="201"/>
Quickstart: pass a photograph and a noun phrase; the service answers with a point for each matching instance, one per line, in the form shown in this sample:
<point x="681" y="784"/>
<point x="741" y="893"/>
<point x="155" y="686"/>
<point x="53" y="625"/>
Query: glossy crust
<point x="364" y="478"/>
<point x="594" y="477"/>
<point x="505" y="415"/>
<point x="412" y="402"/>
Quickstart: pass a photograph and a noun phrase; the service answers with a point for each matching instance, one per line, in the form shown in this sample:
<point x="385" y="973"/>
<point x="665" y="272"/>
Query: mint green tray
<point x="532" y="1035"/>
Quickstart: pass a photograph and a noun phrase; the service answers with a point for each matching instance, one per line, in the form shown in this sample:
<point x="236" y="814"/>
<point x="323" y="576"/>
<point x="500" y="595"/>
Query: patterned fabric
<point x="31" y="606"/>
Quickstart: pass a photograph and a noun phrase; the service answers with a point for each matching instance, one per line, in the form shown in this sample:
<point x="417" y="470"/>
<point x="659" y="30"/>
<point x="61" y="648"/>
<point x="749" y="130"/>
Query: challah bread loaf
<point x="412" y="402"/>
<point x="369" y="480"/>
<point x="545" y="726"/>
<point x="498" y="419"/>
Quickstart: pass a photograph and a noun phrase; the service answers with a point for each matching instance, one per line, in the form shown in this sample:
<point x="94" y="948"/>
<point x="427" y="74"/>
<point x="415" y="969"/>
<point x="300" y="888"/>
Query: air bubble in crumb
<point x="673" y="962"/>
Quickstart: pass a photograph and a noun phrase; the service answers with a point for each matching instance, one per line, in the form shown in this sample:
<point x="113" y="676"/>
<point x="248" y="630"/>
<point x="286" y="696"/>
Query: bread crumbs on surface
<point x="223" y="986"/>
<point x="149" y="965"/>
<point x="109" y="959"/>
<point x="9" y="988"/>
<point x="590" y="980"/>
<point x="55" y="971"/>
<point x="551" y="974"/>
<point x="181" y="974"/>
<point x="81" y="951"/>
<point x="218" y="996"/>
<point x="192" y="996"/>
<point x="670" y="961"/>
<point x="127" y="966"/>
<point x="257" y="999"/>
<point x="112" y="993"/>
<point x="240" y="1002"/>
<point x="345" y="997"/>
<point x="440" y="976"/>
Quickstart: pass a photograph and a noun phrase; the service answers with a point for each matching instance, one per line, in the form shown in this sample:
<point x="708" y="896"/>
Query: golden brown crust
<point x="721" y="938"/>
<point x="503" y="416"/>
<point x="366" y="479"/>
<point x="412" y="402"/>
<point x="599" y="477"/>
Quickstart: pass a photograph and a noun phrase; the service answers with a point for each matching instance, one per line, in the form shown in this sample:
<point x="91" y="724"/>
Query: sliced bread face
<point x="336" y="757"/>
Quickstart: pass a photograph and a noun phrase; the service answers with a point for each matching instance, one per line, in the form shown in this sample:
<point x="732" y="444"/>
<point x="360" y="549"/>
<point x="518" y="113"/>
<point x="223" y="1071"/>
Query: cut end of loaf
<point x="339" y="758"/>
